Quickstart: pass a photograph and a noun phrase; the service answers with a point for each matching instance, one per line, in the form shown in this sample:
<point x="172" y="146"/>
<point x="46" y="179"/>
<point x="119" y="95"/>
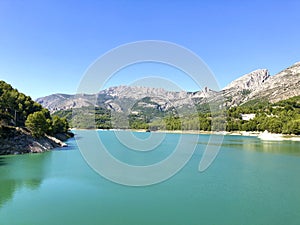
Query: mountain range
<point x="128" y="99"/>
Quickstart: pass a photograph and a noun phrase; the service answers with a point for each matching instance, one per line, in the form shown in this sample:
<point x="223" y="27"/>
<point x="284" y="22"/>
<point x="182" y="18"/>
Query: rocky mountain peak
<point x="255" y="85"/>
<point x="281" y="86"/>
<point x="297" y="64"/>
<point x="250" y="81"/>
<point x="294" y="69"/>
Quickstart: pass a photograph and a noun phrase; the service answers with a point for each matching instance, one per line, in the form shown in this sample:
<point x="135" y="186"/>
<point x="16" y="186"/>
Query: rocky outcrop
<point x="121" y="99"/>
<point x="250" y="81"/>
<point x="57" y="102"/>
<point x="260" y="85"/>
<point x="281" y="86"/>
<point x="20" y="141"/>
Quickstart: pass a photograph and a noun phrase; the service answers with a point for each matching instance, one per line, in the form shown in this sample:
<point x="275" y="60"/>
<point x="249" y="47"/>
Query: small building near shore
<point x="248" y="117"/>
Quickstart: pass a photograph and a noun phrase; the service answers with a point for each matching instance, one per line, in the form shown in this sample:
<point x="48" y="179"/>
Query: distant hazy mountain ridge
<point x="255" y="85"/>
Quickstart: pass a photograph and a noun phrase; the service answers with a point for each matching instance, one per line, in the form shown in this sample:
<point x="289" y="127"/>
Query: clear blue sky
<point x="46" y="46"/>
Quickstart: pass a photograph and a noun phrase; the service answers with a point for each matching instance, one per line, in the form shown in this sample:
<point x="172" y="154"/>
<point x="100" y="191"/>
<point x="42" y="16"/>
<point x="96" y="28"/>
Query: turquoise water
<point x="250" y="182"/>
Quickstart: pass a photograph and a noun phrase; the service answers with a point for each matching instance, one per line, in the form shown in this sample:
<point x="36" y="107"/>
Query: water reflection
<point x="2" y="161"/>
<point x="17" y="172"/>
<point x="238" y="187"/>
<point x="255" y="144"/>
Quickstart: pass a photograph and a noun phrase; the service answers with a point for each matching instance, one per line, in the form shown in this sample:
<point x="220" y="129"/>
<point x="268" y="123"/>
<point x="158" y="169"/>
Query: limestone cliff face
<point x="250" y="81"/>
<point x="63" y="101"/>
<point x="119" y="99"/>
<point x="260" y="85"/>
<point x="281" y="86"/>
<point x="254" y="85"/>
<point x="238" y="91"/>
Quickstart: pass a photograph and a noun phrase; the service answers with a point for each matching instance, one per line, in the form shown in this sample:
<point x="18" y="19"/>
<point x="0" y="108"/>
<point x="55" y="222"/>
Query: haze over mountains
<point x="255" y="85"/>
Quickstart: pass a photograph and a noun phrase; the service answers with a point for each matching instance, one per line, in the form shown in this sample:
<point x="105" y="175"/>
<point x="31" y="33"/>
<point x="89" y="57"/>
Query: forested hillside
<point x="25" y="126"/>
<point x="280" y="117"/>
<point x="19" y="110"/>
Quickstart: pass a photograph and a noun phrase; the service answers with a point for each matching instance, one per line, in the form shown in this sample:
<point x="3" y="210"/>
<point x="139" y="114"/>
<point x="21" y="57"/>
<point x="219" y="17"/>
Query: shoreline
<point x="258" y="134"/>
<point x="20" y="141"/>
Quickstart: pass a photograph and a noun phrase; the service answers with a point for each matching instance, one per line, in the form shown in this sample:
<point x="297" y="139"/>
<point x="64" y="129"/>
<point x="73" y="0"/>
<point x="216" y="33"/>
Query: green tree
<point x="218" y="124"/>
<point x="232" y="125"/>
<point x="173" y="123"/>
<point x="250" y="125"/>
<point x="59" y="125"/>
<point x="292" y="127"/>
<point x="274" y="125"/>
<point x="15" y="106"/>
<point x="37" y="123"/>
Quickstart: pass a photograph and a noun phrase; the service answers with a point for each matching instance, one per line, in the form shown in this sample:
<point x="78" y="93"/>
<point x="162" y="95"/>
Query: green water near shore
<point x="250" y="182"/>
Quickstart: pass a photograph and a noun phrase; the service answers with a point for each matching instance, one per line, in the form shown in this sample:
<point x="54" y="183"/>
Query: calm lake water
<point x="251" y="182"/>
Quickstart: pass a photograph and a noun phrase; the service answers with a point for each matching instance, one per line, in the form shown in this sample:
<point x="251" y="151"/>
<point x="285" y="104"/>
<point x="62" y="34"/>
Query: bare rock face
<point x="118" y="99"/>
<point x="281" y="86"/>
<point x="205" y="93"/>
<point x="57" y="102"/>
<point x="20" y="141"/>
<point x="250" y="81"/>
<point x="260" y="85"/>
<point x="255" y="85"/>
<point x="237" y="92"/>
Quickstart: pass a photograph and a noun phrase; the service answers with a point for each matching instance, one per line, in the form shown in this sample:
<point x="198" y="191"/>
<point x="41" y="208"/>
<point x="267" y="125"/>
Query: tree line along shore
<point x="254" y="116"/>
<point x="25" y="126"/>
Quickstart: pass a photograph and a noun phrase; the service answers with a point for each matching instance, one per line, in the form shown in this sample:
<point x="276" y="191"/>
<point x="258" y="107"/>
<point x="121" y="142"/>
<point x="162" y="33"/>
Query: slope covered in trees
<point x="23" y="123"/>
<point x="19" y="110"/>
<point x="280" y="117"/>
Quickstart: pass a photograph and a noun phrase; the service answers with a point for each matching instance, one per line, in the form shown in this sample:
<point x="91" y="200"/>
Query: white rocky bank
<point x="20" y="141"/>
